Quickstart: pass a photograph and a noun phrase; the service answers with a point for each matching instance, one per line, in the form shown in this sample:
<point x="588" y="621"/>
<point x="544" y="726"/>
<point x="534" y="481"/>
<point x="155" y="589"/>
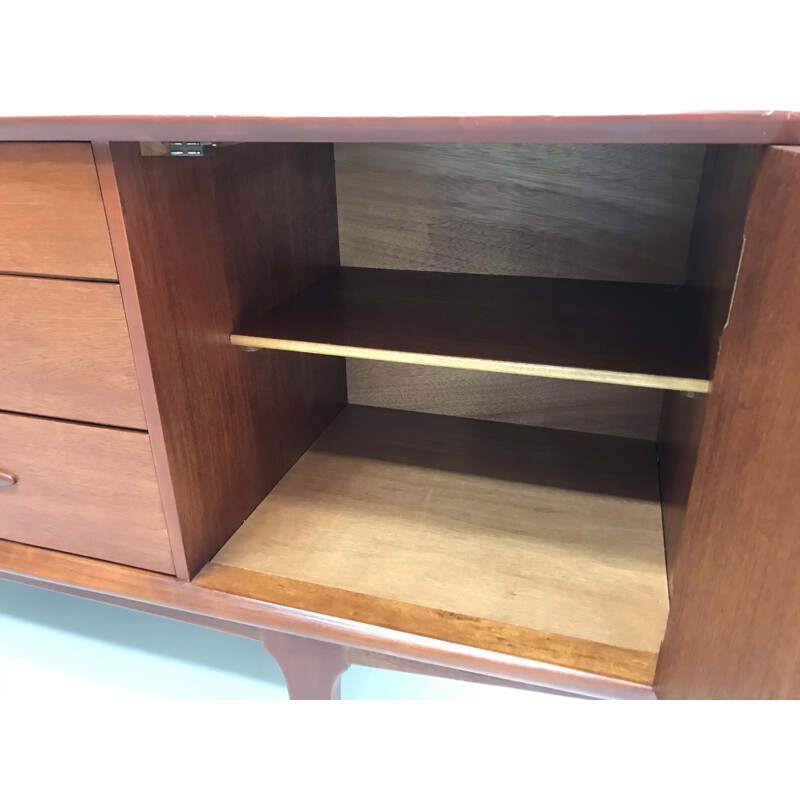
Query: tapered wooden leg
<point x="312" y="669"/>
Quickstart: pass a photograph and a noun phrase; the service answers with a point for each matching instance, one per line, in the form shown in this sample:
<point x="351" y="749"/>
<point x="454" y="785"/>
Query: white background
<point x="351" y="58"/>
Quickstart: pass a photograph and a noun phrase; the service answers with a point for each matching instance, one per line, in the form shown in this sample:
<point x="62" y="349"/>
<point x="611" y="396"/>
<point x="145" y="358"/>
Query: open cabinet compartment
<point x="551" y="260"/>
<point x="504" y="324"/>
<point x="490" y="534"/>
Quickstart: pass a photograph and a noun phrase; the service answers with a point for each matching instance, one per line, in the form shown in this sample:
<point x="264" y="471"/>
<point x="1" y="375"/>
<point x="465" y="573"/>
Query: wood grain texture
<point x="65" y="352"/>
<point x="716" y="246"/>
<point x="774" y="126"/>
<point x="312" y="669"/>
<point x="141" y="350"/>
<point x="119" y="584"/>
<point x="82" y="489"/>
<point x="576" y="656"/>
<point x="714" y="254"/>
<point x="733" y="627"/>
<point x="630" y="334"/>
<point x="51" y="213"/>
<point x="568" y="405"/>
<point x="531" y="528"/>
<point x="678" y="444"/>
<point x="597" y="212"/>
<point x="211" y="240"/>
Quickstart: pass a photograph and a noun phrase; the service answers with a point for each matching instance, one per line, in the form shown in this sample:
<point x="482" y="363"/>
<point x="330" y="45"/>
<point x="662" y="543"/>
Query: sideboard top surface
<point x="700" y="127"/>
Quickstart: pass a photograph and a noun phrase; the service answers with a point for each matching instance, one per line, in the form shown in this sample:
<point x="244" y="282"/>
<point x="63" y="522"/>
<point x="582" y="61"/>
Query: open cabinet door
<point x="734" y="624"/>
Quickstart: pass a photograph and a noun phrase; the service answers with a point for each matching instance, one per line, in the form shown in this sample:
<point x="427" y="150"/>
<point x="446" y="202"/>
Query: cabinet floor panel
<point x="625" y="333"/>
<point x="497" y="535"/>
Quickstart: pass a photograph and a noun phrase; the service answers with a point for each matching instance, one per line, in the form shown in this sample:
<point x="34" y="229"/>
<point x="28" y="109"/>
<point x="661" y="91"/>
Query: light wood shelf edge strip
<point x="478" y="364"/>
<point x="104" y="578"/>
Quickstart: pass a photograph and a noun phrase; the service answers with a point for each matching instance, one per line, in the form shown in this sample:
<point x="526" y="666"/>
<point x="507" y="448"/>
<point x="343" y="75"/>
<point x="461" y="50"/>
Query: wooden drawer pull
<point x="6" y="479"/>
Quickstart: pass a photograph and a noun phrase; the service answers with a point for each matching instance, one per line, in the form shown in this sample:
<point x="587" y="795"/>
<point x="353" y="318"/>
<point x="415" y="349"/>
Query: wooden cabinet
<point x="512" y="410"/>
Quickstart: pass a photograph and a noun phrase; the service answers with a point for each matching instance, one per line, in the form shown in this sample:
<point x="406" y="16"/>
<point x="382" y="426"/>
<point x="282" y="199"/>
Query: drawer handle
<point x="6" y="479"/>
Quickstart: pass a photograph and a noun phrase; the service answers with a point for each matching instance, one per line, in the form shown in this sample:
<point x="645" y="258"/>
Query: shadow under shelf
<point x="608" y="332"/>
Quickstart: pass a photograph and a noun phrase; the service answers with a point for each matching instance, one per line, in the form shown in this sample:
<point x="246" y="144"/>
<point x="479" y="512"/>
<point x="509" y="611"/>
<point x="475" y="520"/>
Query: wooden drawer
<point x="82" y="489"/>
<point x="65" y="352"/>
<point x="52" y="220"/>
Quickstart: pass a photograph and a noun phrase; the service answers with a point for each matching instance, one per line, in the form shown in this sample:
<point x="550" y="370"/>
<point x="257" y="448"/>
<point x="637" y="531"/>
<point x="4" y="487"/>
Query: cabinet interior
<point x="476" y="374"/>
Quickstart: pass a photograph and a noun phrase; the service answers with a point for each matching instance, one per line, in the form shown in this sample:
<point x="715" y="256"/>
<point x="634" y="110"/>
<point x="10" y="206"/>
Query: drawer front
<point x="81" y="489"/>
<point x="65" y="352"/>
<point x="52" y="220"/>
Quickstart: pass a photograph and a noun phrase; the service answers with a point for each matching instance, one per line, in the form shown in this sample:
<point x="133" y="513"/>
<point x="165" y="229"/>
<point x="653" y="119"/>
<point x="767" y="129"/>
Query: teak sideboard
<point x="514" y="400"/>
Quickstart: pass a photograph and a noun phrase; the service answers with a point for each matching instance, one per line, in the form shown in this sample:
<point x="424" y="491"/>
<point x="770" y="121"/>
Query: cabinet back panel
<point x="627" y="411"/>
<point x="601" y="212"/>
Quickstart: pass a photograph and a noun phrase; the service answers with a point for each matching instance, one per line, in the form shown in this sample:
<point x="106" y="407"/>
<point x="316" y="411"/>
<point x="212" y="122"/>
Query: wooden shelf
<point x="534" y="542"/>
<point x="624" y="333"/>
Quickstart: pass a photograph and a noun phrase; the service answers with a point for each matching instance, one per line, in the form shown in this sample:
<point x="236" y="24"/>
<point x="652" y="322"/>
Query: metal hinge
<point x="191" y="148"/>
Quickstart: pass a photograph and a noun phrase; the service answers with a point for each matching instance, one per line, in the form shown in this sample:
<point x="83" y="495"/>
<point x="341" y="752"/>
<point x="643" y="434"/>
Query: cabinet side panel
<point x="735" y="613"/>
<point x="212" y="240"/>
<point x="729" y="173"/>
<point x="139" y="346"/>
<point x="716" y="245"/>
